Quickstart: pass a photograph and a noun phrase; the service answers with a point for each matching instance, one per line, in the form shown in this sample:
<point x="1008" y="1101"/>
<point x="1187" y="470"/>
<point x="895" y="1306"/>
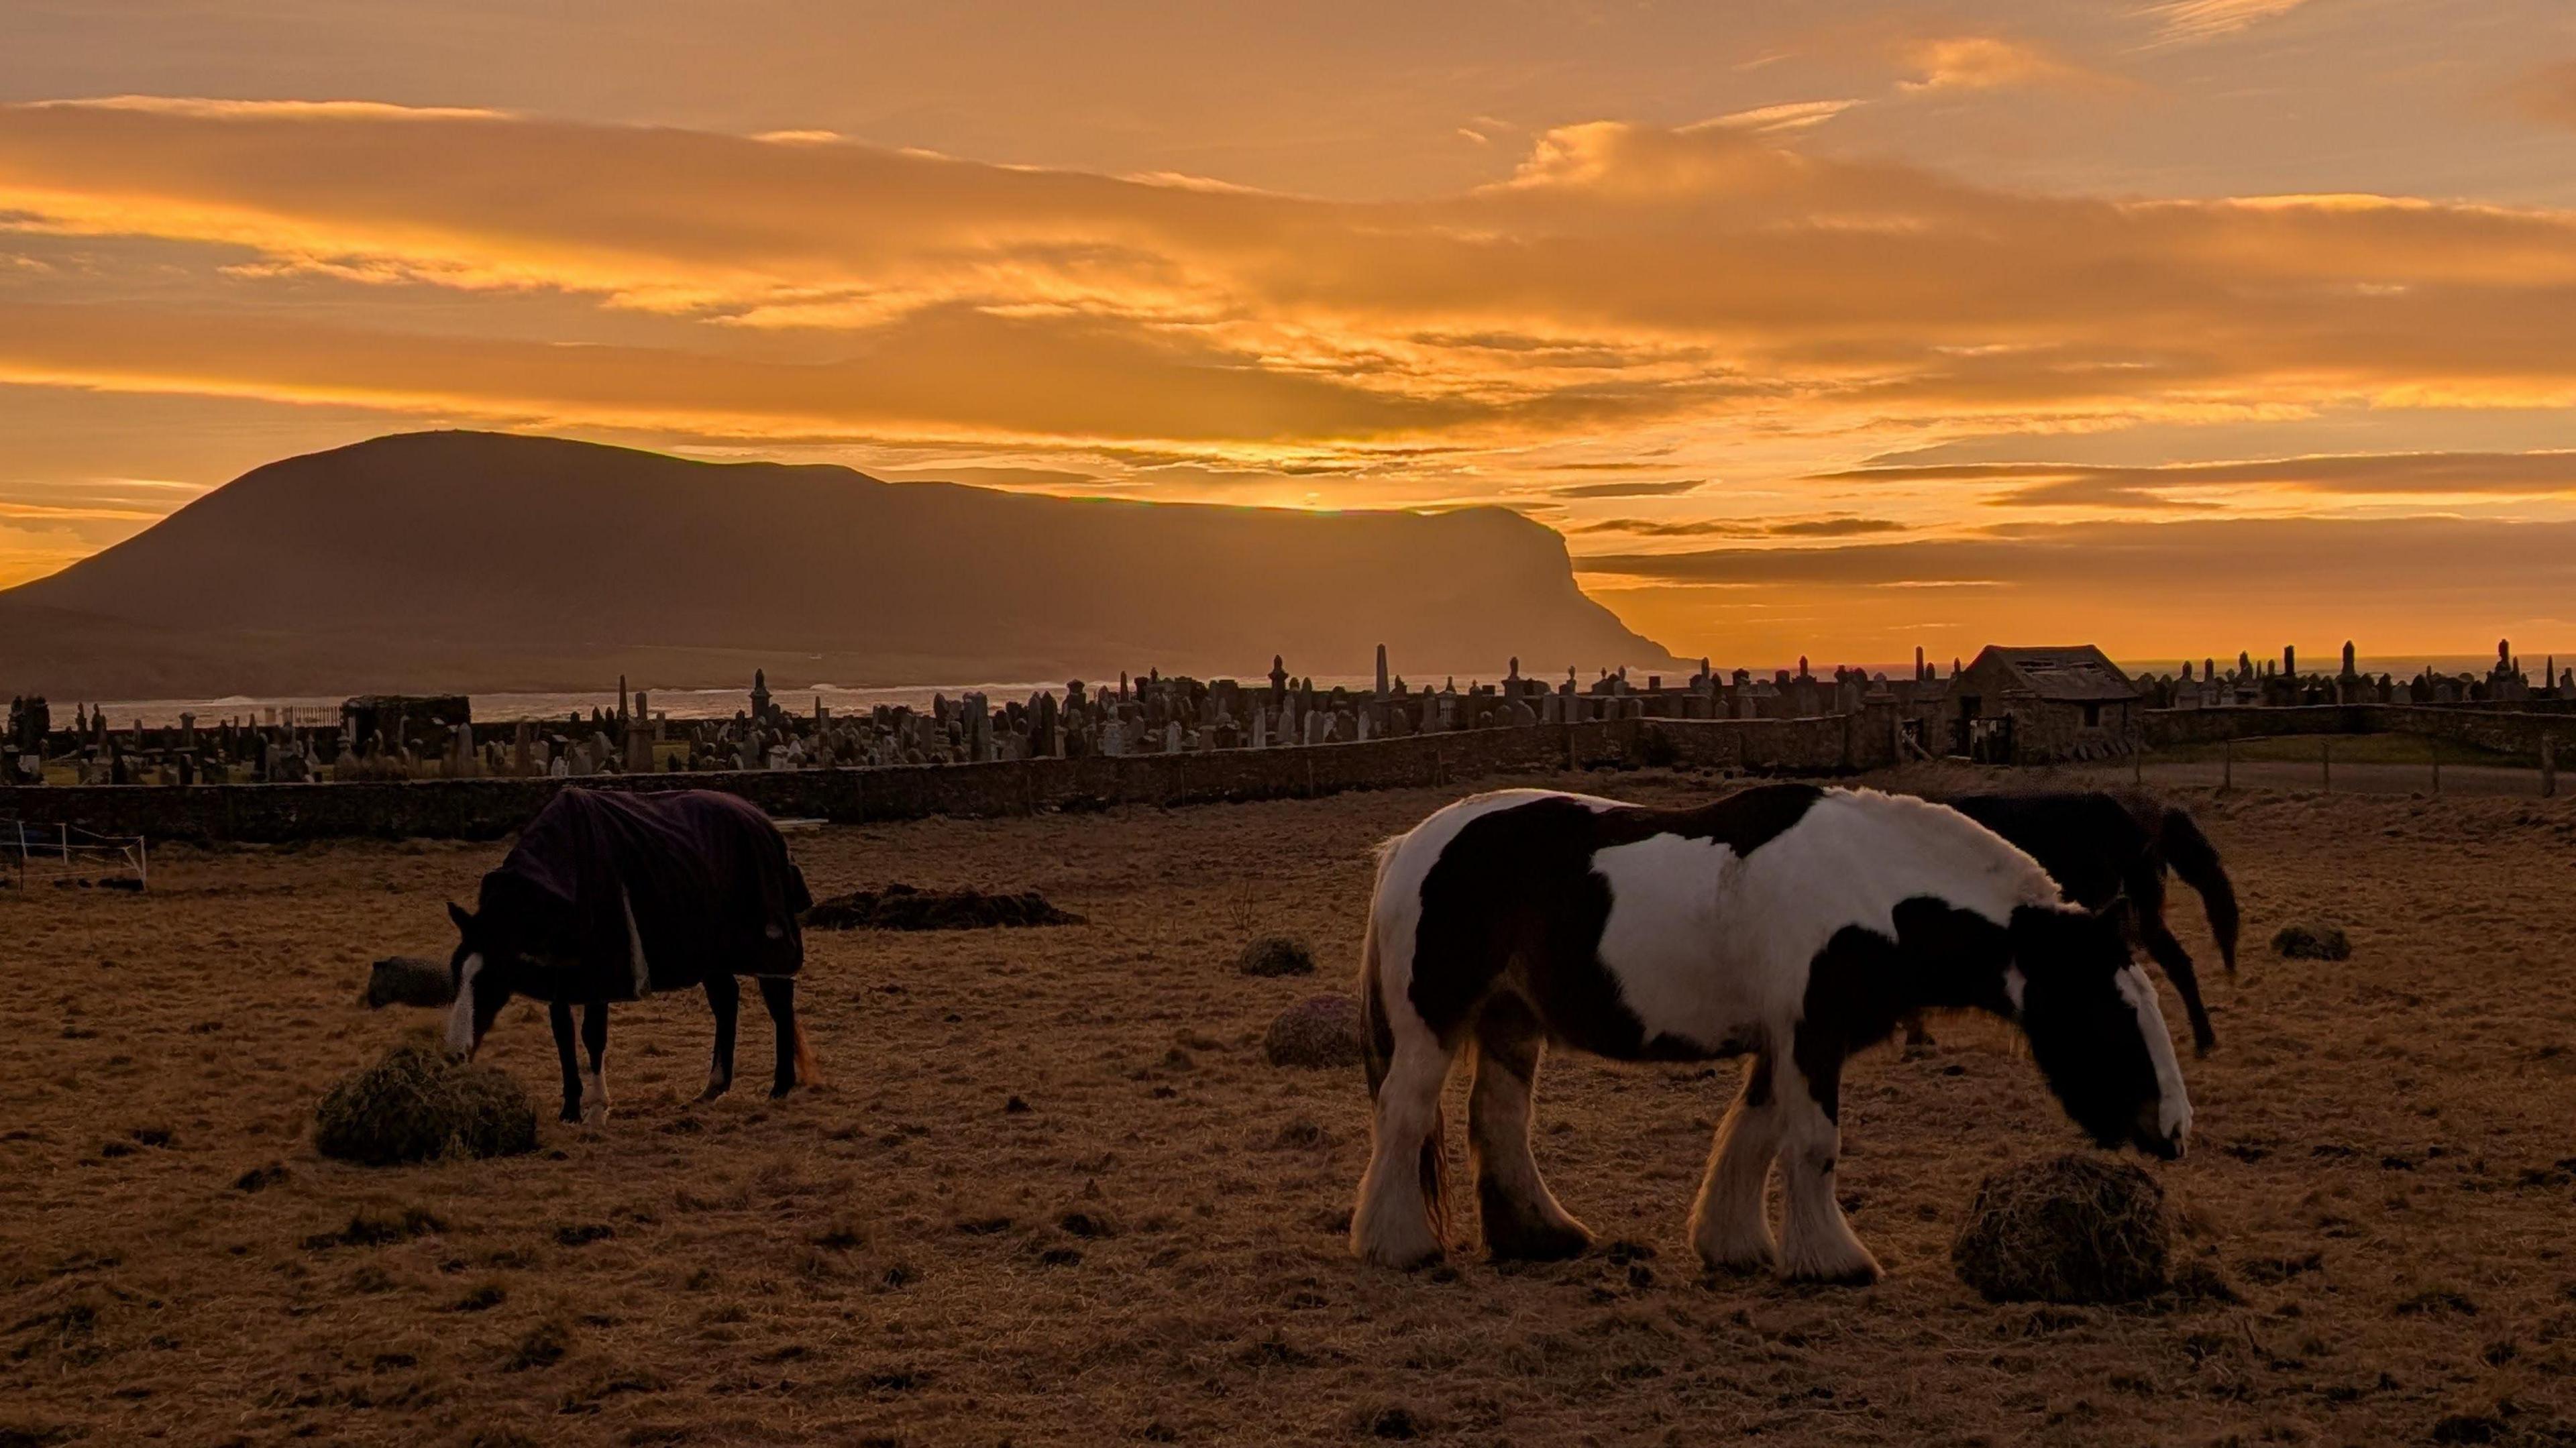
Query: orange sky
<point x="1830" y="329"/>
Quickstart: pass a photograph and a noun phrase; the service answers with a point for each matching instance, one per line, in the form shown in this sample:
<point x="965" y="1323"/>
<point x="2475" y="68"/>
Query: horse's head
<point x="2096" y="1030"/>
<point x="481" y="988"/>
<point x="517" y="929"/>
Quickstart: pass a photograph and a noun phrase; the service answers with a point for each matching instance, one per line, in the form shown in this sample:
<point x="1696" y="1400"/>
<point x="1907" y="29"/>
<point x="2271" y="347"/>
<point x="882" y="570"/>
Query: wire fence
<point x="65" y="854"/>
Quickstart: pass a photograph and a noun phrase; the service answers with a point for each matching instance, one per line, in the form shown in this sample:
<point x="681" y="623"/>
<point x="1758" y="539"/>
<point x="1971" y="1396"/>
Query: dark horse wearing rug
<point x="2101" y="846"/>
<point x="613" y="896"/>
<point x="1793" y="924"/>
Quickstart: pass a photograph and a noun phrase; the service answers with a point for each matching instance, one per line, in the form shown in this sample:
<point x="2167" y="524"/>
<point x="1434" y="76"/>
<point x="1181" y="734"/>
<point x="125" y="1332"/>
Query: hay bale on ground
<point x="2311" y="942"/>
<point x="418" y="1104"/>
<point x="902" y="907"/>
<point x="1275" y="955"/>
<point x="408" y="980"/>
<point x="2074" y="1229"/>
<point x="1318" y="1031"/>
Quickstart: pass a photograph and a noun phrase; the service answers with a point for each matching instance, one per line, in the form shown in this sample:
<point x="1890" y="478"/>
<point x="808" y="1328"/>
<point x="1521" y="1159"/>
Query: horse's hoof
<point x="1403" y="1256"/>
<point x="1853" y="1277"/>
<point x="1740" y="1264"/>
<point x="1538" y="1244"/>
<point x="1862" y="1273"/>
<point x="779" y="1093"/>
<point x="570" y="1116"/>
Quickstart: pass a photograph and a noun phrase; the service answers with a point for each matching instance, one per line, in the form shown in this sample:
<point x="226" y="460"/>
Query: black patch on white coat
<point x="1515" y="892"/>
<point x="1862" y="984"/>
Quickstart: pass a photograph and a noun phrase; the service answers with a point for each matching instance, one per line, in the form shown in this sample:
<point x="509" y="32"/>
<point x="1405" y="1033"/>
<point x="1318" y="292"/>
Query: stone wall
<point x="490" y="808"/>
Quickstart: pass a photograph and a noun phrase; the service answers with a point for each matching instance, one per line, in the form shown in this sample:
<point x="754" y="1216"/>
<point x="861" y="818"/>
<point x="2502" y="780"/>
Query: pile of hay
<point x="901" y="907"/>
<point x="418" y="1104"/>
<point x="2075" y="1229"/>
<point x="2311" y="942"/>
<point x="1318" y="1031"/>
<point x="408" y="980"/>
<point x="1273" y="955"/>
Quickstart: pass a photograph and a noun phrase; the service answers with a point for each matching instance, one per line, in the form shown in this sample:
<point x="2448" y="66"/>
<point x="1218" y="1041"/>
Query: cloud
<point x="1629" y="490"/>
<point x="2437" y="474"/>
<point x="1840" y="526"/>
<point x="2549" y="93"/>
<point x="2398" y="586"/>
<point x="1622" y="276"/>
<point x="2189" y="20"/>
<point x="1987" y="62"/>
<point x="1786" y="117"/>
<point x="2255" y="557"/>
<point x="1834" y="527"/>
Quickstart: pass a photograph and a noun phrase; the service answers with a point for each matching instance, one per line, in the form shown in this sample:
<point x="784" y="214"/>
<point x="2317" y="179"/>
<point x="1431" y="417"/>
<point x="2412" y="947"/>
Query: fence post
<point x="2548" y="766"/>
<point x="2325" y="758"/>
<point x="2433" y="743"/>
<point x="2226" y="765"/>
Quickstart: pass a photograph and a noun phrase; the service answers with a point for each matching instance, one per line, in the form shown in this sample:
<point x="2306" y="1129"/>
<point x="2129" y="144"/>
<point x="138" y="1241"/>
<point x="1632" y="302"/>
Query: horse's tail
<point x="805" y="1072"/>
<point x="1377" y="1052"/>
<point x="2195" y="859"/>
<point x="1377" y="1036"/>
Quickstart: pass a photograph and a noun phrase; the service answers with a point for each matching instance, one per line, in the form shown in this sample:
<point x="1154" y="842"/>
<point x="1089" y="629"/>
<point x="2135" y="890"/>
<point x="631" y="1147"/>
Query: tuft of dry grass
<point x="417" y="1104"/>
<point x="1275" y="955"/>
<point x="1321" y="1032"/>
<point x="2071" y="1228"/>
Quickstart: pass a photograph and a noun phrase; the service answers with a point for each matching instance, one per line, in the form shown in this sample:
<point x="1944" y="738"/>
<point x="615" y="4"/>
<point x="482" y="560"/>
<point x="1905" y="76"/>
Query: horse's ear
<point x="464" y="918"/>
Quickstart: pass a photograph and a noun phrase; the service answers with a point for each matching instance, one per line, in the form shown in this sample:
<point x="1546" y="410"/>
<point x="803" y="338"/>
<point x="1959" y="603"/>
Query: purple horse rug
<point x="660" y="889"/>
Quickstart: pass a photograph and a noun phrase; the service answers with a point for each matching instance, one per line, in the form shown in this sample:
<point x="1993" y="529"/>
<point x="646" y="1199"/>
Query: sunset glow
<point x="1827" y="330"/>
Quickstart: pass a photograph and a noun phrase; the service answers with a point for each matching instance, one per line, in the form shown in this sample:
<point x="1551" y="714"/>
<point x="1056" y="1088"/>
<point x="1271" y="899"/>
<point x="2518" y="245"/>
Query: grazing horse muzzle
<point x="2153" y="1137"/>
<point x="463" y="1035"/>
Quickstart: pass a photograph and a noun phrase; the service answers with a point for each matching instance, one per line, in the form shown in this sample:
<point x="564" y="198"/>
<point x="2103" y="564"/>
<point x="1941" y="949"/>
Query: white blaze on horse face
<point x="2014" y="984"/>
<point x="460" y="1017"/>
<point x="2173" y="1102"/>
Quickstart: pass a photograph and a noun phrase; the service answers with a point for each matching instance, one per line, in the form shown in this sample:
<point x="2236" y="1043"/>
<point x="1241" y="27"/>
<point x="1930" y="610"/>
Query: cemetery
<point x="424" y="766"/>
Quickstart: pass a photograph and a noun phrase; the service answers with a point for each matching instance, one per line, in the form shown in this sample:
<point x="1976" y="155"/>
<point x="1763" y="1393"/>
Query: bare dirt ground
<point x="1147" y="1246"/>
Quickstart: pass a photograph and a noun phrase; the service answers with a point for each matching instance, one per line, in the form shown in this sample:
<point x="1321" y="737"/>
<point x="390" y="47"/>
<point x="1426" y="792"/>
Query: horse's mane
<point x="2036" y="885"/>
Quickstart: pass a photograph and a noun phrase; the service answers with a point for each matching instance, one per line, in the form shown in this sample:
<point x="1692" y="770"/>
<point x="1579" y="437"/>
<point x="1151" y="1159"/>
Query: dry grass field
<point x="1051" y="1192"/>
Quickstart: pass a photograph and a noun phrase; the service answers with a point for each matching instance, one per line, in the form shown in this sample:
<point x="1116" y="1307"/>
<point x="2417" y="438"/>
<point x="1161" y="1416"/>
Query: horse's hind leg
<point x="779" y="994"/>
<point x="1818" y="1243"/>
<point x="559" y="1014"/>
<point x="1522" y="1217"/>
<point x="1730" y="1222"/>
<point x="594" y="1039"/>
<point x="1401" y="1220"/>
<point x="724" y="997"/>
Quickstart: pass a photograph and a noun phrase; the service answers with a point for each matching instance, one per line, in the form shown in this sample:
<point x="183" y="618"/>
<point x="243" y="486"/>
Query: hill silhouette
<point x="485" y="561"/>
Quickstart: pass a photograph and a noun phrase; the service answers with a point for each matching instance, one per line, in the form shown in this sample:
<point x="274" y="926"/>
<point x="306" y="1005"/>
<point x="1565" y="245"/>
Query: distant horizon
<point x="722" y="702"/>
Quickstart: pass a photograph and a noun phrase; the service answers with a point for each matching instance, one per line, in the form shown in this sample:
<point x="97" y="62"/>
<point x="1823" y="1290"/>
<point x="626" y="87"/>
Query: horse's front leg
<point x="1818" y="1244"/>
<point x="1729" y="1223"/>
<point x="724" y="997"/>
<point x="559" y="1014"/>
<point x="594" y="1039"/>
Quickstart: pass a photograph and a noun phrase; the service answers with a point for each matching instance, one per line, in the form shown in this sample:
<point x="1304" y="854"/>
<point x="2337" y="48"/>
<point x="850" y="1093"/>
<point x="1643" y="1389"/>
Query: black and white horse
<point x="2099" y="846"/>
<point x="612" y="896"/>
<point x="1788" y="922"/>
